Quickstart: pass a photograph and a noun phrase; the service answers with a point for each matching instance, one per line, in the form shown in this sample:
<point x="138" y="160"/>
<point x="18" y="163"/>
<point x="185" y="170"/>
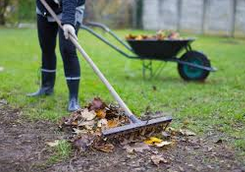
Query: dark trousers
<point x="47" y="34"/>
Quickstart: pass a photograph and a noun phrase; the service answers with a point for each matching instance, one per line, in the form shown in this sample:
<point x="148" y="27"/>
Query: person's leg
<point x="47" y="33"/>
<point x="72" y="70"/>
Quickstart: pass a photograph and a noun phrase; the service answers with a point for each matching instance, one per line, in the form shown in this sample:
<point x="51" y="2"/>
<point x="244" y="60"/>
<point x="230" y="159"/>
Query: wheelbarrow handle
<point x="109" y="31"/>
<point x="113" y="92"/>
<point x="100" y="25"/>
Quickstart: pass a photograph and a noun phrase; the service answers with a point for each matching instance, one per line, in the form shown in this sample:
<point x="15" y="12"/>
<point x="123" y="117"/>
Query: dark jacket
<point x="66" y="7"/>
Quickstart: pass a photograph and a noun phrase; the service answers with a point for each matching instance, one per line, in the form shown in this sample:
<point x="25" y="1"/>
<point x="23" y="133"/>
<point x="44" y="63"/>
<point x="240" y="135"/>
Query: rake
<point x="136" y="125"/>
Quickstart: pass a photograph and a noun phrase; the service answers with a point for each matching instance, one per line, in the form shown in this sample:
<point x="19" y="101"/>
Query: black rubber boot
<point x="47" y="85"/>
<point x="73" y="86"/>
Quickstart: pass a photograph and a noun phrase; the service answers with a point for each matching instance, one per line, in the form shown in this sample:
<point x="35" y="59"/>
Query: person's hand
<point x="69" y="29"/>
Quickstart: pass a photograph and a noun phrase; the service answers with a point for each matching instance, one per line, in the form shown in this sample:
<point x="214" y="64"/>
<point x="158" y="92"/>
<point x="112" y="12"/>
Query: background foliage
<point x="115" y="13"/>
<point x="27" y="10"/>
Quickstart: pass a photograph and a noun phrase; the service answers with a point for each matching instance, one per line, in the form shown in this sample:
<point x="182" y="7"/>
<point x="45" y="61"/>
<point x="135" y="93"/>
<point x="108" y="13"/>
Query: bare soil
<point x="23" y="148"/>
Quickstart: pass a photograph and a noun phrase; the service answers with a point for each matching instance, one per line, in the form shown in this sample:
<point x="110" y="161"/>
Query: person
<point x="71" y="14"/>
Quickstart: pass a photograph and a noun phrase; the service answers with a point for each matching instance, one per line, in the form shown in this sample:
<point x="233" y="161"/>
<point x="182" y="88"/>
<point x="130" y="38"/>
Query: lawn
<point x="216" y="106"/>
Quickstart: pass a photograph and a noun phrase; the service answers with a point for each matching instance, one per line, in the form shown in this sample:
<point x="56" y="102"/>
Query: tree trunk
<point x="2" y="19"/>
<point x="3" y="6"/>
<point x="139" y="14"/>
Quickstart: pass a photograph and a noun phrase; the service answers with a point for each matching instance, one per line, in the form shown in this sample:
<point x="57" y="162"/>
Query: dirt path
<point x="22" y="142"/>
<point x="22" y="148"/>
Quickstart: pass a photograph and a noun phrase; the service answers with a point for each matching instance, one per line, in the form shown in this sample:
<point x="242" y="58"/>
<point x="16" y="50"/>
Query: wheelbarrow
<point x="192" y="65"/>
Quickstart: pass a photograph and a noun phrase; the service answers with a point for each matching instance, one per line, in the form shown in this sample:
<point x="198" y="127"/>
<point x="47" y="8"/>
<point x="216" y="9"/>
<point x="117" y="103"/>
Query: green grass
<point x="218" y="105"/>
<point x="62" y="152"/>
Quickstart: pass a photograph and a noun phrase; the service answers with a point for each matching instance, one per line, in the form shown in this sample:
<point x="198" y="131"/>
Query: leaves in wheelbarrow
<point x="159" y="36"/>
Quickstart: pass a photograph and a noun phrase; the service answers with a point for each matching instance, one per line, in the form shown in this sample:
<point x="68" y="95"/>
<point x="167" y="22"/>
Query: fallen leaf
<point x="74" y="123"/>
<point x="186" y="122"/>
<point x="219" y="141"/>
<point x="209" y="149"/>
<point x="137" y="147"/>
<point x="102" y="124"/>
<point x="97" y="104"/>
<point x="157" y="159"/>
<point x="113" y="123"/>
<point x="72" y="120"/>
<point x="163" y="143"/>
<point x="186" y="132"/>
<point x="83" y="142"/>
<point x="53" y="144"/>
<point x="152" y="141"/>
<point x="105" y="147"/>
<point x="172" y="131"/>
<point x="166" y="135"/>
<point x="101" y="114"/>
<point x="113" y="111"/>
<point x="88" y="115"/>
<point x="79" y="132"/>
<point x="87" y="124"/>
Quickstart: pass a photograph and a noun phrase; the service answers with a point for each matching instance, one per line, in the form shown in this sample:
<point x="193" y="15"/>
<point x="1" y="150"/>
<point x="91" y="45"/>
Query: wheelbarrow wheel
<point x="189" y="73"/>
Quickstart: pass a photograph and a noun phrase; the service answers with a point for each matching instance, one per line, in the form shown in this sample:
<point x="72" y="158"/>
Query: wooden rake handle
<point x="94" y="67"/>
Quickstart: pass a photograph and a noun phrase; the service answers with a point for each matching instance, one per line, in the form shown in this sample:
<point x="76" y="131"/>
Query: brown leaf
<point x="163" y="144"/>
<point x="166" y="134"/>
<point x="102" y="124"/>
<point x="172" y="131"/>
<point x="87" y="124"/>
<point x="79" y="132"/>
<point x="113" y="123"/>
<point x="105" y="147"/>
<point x="53" y="144"/>
<point x="74" y="123"/>
<point x="137" y="147"/>
<point x="157" y="159"/>
<point x="72" y="120"/>
<point x="112" y="111"/>
<point x="88" y="115"/>
<point x="101" y="114"/>
<point x="83" y="142"/>
<point x="186" y="132"/>
<point x="97" y="104"/>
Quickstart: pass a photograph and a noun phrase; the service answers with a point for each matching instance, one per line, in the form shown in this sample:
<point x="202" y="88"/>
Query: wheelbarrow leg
<point x="147" y="67"/>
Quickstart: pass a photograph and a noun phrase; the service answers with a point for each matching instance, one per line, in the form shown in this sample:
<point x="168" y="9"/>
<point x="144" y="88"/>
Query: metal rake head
<point x="154" y="125"/>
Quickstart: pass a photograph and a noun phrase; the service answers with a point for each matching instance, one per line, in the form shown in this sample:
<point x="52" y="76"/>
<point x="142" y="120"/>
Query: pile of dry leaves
<point x="85" y="125"/>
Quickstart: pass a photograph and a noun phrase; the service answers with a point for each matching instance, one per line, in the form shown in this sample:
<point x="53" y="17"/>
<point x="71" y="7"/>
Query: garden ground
<point x="214" y="109"/>
<point x="23" y="148"/>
